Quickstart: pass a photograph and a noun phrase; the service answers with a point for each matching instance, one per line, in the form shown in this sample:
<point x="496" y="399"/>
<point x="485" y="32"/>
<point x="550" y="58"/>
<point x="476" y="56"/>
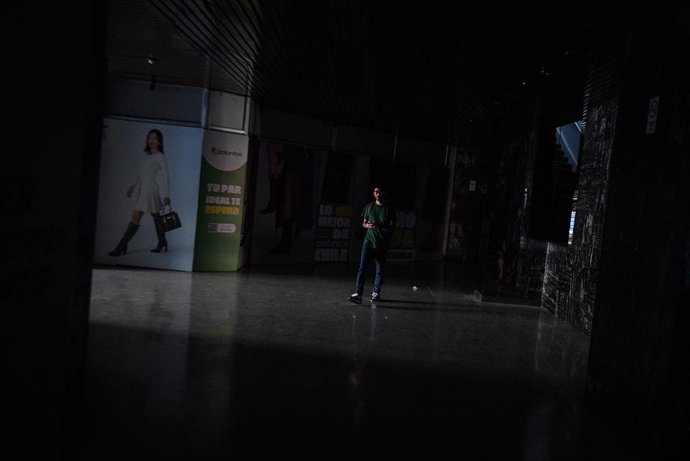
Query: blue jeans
<point x="379" y="257"/>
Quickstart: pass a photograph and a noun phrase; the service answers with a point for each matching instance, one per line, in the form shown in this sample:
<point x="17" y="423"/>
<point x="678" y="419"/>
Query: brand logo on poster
<point x="225" y="151"/>
<point x="215" y="151"/>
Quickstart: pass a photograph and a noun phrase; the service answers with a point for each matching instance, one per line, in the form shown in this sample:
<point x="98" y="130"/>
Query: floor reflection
<point x="275" y="365"/>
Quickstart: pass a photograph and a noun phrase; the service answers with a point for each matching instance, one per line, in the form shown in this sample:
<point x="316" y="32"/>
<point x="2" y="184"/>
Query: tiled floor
<point x="275" y="363"/>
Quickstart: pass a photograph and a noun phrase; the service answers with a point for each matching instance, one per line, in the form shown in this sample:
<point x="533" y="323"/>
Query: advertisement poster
<point x="332" y="234"/>
<point x="402" y="245"/>
<point x="145" y="166"/>
<point x="221" y="199"/>
<point x="285" y="204"/>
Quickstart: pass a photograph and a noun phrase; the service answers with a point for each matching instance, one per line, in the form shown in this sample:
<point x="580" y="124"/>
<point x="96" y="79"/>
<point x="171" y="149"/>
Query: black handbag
<point x="168" y="221"/>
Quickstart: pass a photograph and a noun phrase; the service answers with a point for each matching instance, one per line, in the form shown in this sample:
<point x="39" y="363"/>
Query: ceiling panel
<point x="427" y="69"/>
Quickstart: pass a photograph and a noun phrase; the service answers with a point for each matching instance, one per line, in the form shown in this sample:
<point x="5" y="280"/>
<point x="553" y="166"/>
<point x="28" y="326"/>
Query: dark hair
<point x="382" y="189"/>
<point x="160" y="140"/>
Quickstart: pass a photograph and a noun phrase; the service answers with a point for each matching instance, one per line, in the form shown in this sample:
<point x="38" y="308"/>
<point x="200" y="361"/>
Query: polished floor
<point x="275" y="363"/>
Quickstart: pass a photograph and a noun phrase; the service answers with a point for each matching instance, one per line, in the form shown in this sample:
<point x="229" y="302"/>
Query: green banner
<point x="221" y="201"/>
<point x="402" y="245"/>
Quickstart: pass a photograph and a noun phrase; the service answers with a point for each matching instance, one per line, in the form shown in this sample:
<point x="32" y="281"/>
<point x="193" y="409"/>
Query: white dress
<point x="146" y="188"/>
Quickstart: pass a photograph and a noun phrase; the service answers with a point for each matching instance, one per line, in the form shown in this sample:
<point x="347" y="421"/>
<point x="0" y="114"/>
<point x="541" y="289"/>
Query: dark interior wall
<point x="50" y="133"/>
<point x="527" y="199"/>
<point x="399" y="179"/>
<point x="467" y="205"/>
<point x="542" y="184"/>
<point x="505" y="256"/>
<point x="639" y="351"/>
<point x="491" y="205"/>
<point x="432" y="217"/>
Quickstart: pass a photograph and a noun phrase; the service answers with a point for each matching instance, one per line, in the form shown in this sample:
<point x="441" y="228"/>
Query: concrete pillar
<point x="54" y="69"/>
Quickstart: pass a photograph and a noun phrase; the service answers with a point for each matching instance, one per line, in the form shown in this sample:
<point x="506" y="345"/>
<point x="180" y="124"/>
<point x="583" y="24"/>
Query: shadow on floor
<point x="203" y="399"/>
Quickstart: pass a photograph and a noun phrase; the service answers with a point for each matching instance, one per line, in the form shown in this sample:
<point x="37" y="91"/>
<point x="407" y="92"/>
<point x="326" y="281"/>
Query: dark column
<point x="639" y="357"/>
<point x="505" y="255"/>
<point x="53" y="69"/>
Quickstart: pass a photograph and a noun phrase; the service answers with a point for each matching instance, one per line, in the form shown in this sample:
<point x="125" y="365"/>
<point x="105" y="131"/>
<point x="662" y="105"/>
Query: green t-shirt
<point x="382" y="216"/>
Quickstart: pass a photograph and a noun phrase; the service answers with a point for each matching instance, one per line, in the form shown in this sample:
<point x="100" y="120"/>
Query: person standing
<point x="379" y="220"/>
<point x="147" y="193"/>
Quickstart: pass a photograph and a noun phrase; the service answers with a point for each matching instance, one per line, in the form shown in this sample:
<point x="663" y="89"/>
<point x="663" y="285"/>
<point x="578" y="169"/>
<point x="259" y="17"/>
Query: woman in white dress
<point x="147" y="192"/>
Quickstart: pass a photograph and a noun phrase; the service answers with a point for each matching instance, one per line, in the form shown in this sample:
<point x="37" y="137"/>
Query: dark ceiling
<point x="428" y="69"/>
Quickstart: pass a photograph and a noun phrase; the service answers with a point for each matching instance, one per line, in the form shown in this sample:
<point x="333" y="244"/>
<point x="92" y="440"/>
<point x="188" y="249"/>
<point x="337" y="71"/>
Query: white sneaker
<point x="356" y="298"/>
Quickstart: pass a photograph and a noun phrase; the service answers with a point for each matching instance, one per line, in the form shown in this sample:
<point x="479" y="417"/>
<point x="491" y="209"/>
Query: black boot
<point x="121" y="247"/>
<point x="162" y="242"/>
